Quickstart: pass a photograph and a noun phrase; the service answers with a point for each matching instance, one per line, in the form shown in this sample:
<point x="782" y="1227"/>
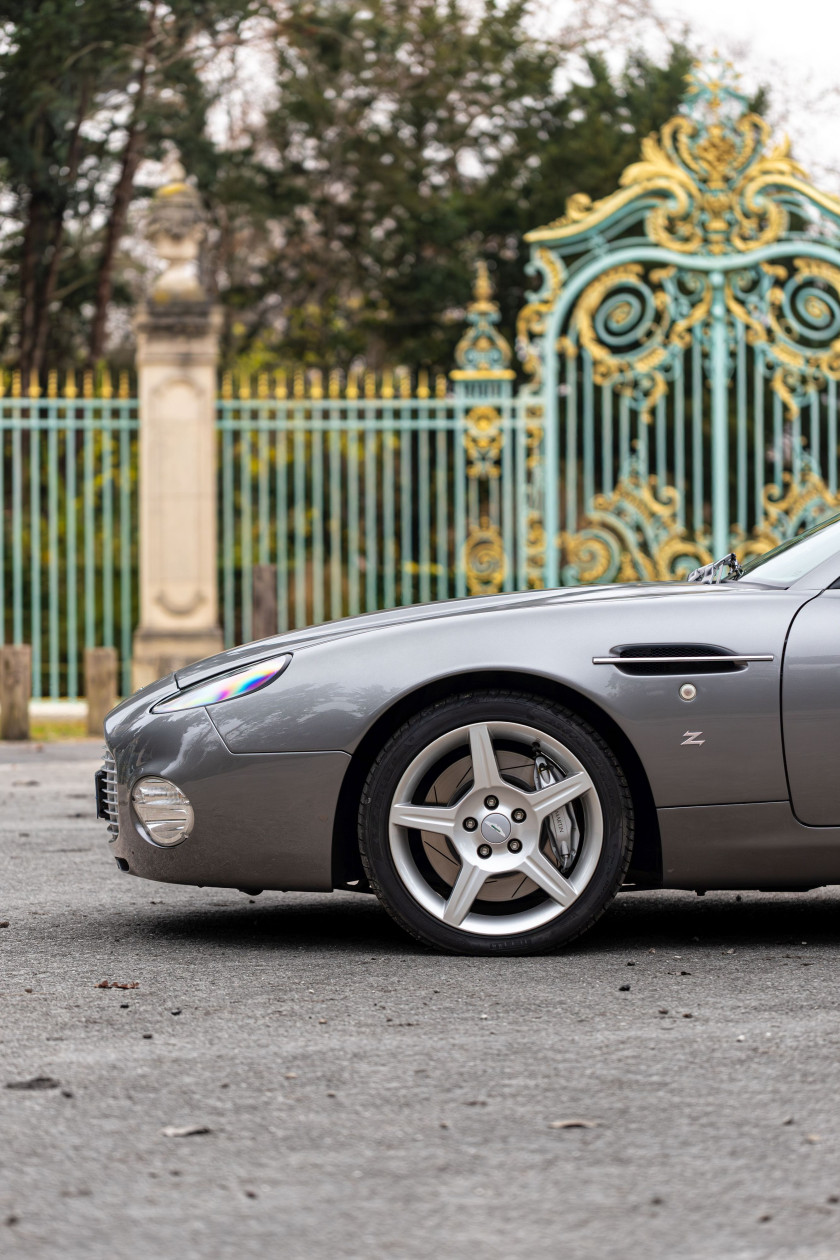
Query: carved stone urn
<point x="176" y="228"/>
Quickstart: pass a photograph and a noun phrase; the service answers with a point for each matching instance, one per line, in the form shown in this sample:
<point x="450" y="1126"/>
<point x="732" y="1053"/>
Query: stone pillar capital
<point x="166" y="330"/>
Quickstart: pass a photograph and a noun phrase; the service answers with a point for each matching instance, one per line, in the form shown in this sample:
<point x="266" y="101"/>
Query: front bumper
<point x="262" y="820"/>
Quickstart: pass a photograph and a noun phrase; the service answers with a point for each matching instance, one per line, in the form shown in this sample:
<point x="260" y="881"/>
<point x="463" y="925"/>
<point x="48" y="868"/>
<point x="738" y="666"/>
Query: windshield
<point x="791" y="560"/>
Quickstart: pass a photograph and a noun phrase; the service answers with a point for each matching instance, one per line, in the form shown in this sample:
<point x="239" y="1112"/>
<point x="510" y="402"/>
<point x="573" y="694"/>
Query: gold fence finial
<point x="300" y="384"/>
<point x="87" y="384"/>
<point x="482" y="289"/>
<point x="34" y="385"/>
<point x="227" y="386"/>
<point x="316" y="387"/>
<point x="482" y="350"/>
<point x="388" y="383"/>
<point x="16" y="383"/>
<point x="262" y="385"/>
<point x="423" y="383"/>
<point x="52" y="383"/>
<point x="70" y="390"/>
<point x="352" y="390"/>
<point x="440" y="385"/>
<point x="370" y="383"/>
<point x="124" y="390"/>
<point x="281" y="389"/>
<point x="106" y="389"/>
<point x="245" y="387"/>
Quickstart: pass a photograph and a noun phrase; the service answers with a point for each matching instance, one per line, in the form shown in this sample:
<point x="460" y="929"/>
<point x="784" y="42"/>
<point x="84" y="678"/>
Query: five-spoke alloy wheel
<point x="495" y="823"/>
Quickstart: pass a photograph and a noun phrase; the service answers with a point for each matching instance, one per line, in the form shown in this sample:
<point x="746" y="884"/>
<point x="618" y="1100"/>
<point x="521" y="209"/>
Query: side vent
<point x="658" y="659"/>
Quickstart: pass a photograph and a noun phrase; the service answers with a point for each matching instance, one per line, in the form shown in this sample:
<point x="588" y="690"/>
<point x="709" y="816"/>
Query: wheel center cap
<point x="495" y="828"/>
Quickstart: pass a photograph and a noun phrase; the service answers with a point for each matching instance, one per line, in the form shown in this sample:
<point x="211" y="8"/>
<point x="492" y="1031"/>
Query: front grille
<point x="106" y="795"/>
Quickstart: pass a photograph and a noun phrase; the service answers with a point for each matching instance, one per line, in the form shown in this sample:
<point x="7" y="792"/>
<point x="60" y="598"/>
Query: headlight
<point x="225" y="686"/>
<point x="163" y="809"/>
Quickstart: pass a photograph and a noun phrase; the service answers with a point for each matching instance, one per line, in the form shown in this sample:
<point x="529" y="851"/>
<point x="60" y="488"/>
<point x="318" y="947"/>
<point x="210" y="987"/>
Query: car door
<point x="811" y="711"/>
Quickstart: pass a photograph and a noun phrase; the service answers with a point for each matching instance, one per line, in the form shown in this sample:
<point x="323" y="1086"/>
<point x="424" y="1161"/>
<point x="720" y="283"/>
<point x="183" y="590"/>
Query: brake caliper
<point x="563" y="832"/>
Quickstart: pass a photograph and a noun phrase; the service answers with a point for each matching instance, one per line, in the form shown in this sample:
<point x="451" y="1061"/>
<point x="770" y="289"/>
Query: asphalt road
<point x="366" y="1098"/>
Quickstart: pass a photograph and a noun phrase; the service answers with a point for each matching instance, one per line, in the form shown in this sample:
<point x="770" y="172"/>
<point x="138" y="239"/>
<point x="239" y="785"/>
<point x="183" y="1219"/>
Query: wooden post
<point x="15" y="690"/>
<point x="100" y="685"/>
<point x="264" y="622"/>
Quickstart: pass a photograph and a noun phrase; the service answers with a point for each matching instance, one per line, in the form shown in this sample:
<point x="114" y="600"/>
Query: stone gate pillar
<point x="177" y="349"/>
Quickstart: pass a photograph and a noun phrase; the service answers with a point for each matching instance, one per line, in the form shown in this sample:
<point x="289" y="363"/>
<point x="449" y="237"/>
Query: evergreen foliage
<point x="88" y="89"/>
<point x="403" y="140"/>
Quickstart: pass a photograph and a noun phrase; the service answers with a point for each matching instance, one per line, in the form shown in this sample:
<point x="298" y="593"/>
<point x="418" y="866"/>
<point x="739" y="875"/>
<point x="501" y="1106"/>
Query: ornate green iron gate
<point x="684" y="353"/>
<point x="682" y="357"/>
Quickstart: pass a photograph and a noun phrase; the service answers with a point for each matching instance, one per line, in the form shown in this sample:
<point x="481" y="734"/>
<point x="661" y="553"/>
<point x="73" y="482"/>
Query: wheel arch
<point x="646" y="864"/>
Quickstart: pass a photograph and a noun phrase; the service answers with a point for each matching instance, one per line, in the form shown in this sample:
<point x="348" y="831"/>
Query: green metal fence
<point x="362" y="500"/>
<point x="68" y="529"/>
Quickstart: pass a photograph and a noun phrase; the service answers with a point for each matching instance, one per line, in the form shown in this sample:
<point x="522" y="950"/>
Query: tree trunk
<point x="119" y="212"/>
<point x="113" y="234"/>
<point x="42" y="322"/>
<point x="29" y="283"/>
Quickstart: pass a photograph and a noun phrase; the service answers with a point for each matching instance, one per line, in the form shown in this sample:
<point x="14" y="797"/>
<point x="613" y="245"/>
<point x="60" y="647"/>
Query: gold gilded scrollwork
<point x="483" y="440"/>
<point x="531" y="320"/>
<point x="804" y="367"/>
<point x="712" y="182"/>
<point x="484" y="559"/>
<point x="607" y="366"/>
<point x="800" y="502"/>
<point x="535" y="535"/>
<point x="632" y="534"/>
<point x="535" y="547"/>
<point x="534" y="433"/>
<point x="625" y="320"/>
<point x="794" y="315"/>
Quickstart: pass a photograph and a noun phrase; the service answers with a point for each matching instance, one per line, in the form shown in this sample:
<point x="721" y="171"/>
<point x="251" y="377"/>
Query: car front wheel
<point x="496" y="823"/>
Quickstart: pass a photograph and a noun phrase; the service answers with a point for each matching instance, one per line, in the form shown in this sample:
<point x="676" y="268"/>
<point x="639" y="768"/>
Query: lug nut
<point x="470" y="824"/>
<point x="518" y="815"/>
<point x="484" y="851"/>
<point x="491" y="802"/>
<point x="515" y="846"/>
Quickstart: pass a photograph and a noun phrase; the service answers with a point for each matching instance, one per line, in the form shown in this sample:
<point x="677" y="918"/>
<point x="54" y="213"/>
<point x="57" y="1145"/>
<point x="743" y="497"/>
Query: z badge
<point x="691" y="738"/>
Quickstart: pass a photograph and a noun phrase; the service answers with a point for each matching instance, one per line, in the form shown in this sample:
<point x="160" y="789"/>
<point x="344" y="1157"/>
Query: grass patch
<point x="50" y="731"/>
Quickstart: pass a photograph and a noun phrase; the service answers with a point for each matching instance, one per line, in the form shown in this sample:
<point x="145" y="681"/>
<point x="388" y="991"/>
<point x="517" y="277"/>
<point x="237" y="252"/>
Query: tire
<point x="463" y="848"/>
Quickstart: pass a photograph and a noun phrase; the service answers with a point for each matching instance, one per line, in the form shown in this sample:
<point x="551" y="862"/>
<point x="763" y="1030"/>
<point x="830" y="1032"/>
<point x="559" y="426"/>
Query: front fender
<point x="333" y="692"/>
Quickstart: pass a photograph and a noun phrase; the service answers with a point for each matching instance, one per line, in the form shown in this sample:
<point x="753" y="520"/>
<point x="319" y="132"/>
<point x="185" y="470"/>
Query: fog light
<point x="163" y="809"/>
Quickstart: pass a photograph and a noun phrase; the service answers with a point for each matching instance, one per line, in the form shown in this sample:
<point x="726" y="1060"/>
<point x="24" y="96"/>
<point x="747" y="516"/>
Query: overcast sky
<point x="791" y="45"/>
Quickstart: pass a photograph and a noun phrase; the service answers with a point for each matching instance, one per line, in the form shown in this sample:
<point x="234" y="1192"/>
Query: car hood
<point x="475" y="606"/>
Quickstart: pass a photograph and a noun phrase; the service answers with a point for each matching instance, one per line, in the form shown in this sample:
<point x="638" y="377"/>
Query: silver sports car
<point x="495" y="769"/>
